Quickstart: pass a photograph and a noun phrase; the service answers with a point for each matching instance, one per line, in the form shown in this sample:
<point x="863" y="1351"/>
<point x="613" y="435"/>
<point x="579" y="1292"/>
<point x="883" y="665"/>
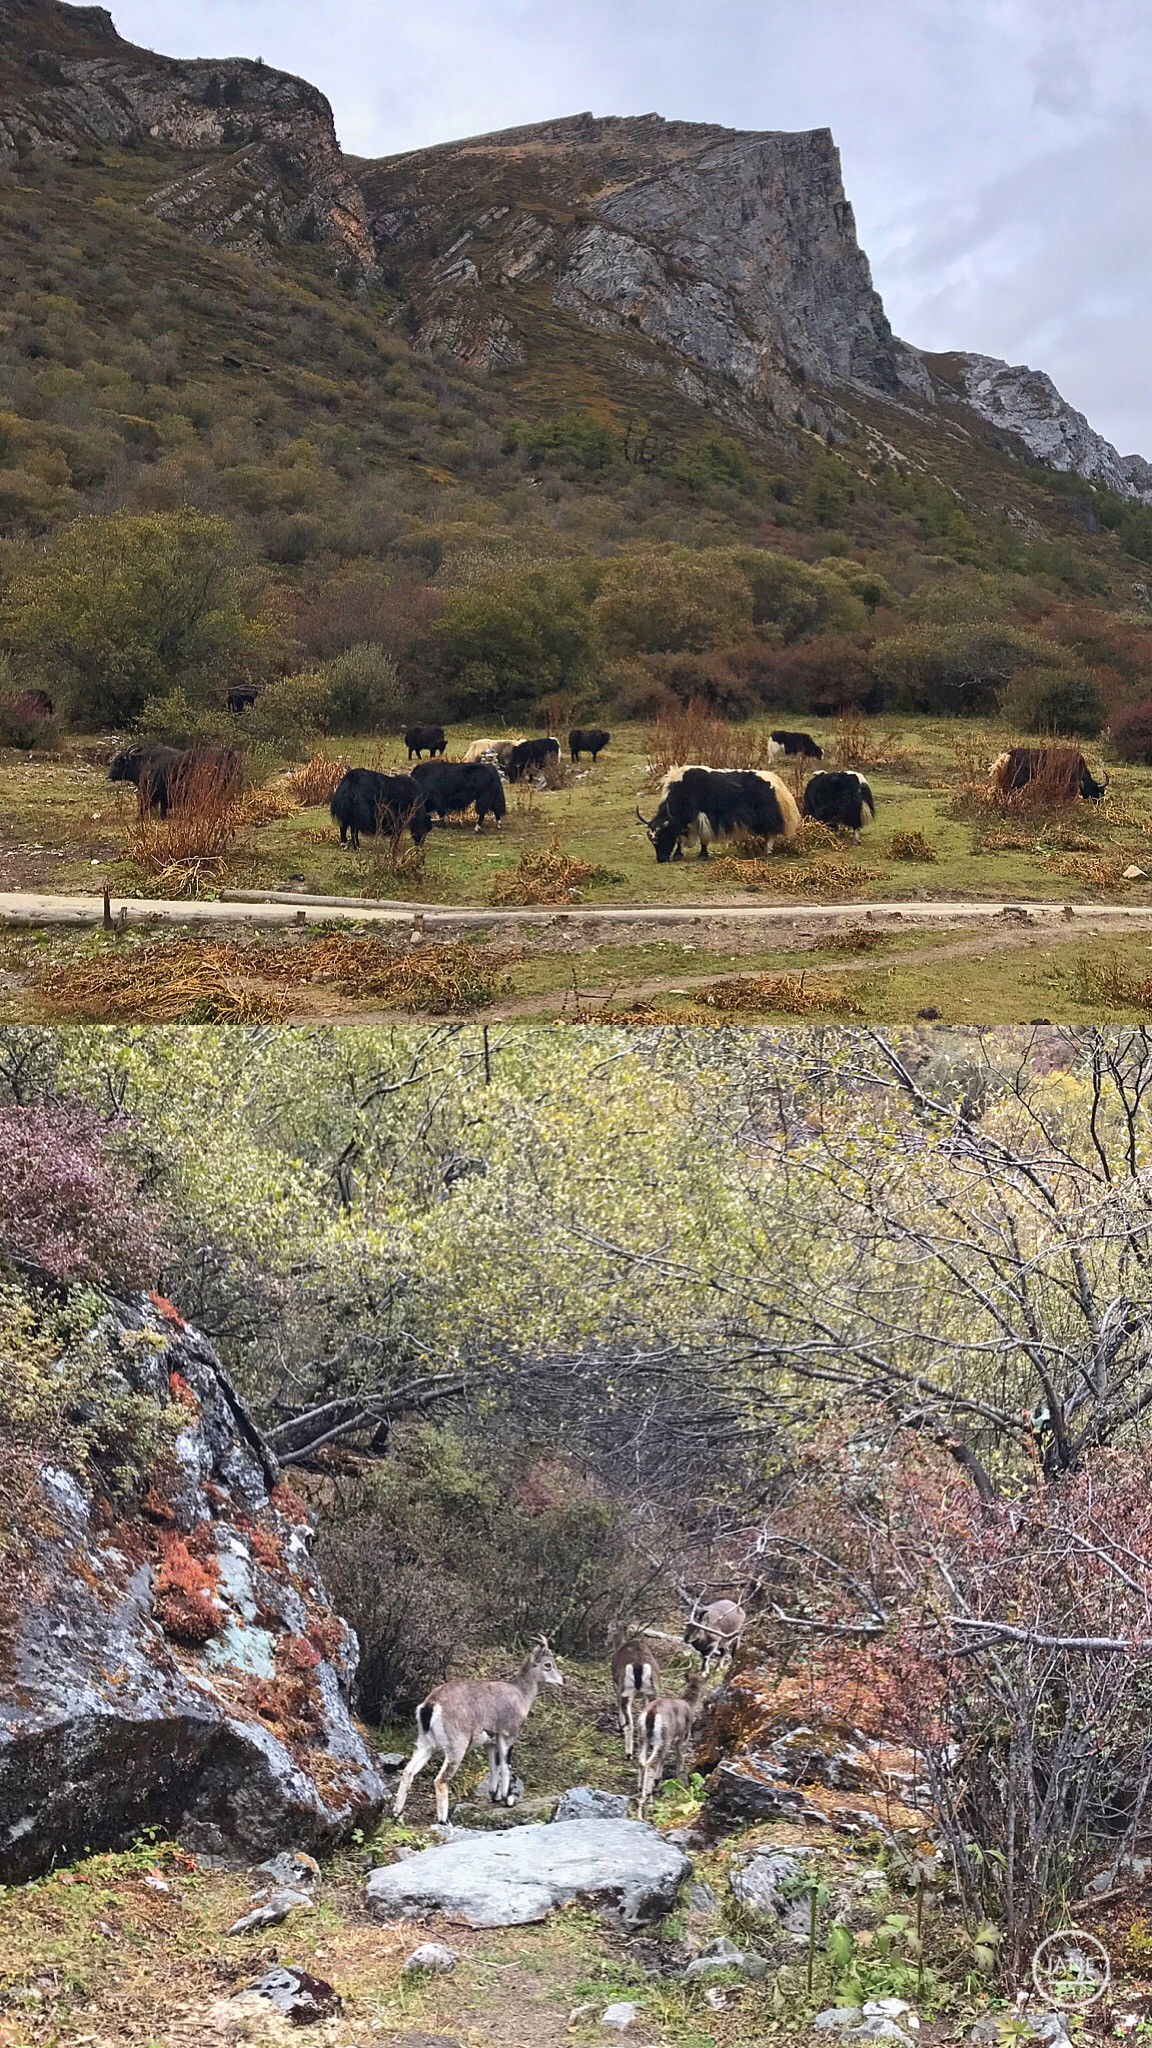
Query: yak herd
<point x="698" y="805"/>
<point x="488" y="1713"/>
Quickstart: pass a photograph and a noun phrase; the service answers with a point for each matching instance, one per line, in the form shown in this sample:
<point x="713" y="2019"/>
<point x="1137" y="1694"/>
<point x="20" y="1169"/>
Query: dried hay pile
<point x="821" y="878"/>
<point x="792" y="994"/>
<point x="547" y="876"/>
<point x="911" y="846"/>
<point x="249" y="981"/>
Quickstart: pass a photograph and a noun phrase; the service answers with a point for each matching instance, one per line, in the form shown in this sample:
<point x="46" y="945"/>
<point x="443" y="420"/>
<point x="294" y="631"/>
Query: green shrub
<point x="364" y="693"/>
<point x="673" y="604"/>
<point x="290" y="715"/>
<point x="530" y="628"/>
<point x="953" y="670"/>
<point x="125" y="608"/>
<point x="1056" y="700"/>
<point x="575" y="440"/>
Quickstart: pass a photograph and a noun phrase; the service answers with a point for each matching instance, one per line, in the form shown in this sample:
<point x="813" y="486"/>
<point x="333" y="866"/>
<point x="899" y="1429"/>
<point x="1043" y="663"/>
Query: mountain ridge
<point x="724" y="262"/>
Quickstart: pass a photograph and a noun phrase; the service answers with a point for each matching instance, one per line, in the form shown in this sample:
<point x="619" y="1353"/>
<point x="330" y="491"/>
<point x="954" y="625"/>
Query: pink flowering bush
<point x="67" y="1204"/>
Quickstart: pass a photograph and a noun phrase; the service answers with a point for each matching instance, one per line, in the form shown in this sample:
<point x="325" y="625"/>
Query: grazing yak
<point x="494" y="750"/>
<point x="163" y="775"/>
<point x="1062" y="771"/>
<point x="366" y="801"/>
<point x="452" y="786"/>
<point x="421" y="739"/>
<point x="839" y="796"/>
<point x="713" y="803"/>
<point x="590" y="739"/>
<point x="531" y="754"/>
<point x="801" y="743"/>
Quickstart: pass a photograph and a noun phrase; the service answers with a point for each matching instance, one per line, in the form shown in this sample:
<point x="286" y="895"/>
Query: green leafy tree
<point x="119" y="610"/>
<point x="530" y="630"/>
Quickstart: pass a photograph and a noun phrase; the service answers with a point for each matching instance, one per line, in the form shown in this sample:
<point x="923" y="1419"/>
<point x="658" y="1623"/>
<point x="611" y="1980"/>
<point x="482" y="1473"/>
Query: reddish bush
<point x="182" y="1585"/>
<point x="66" y="1204"/>
<point x="823" y="675"/>
<point x="266" y="1548"/>
<point x="290" y="1504"/>
<point x="1132" y="734"/>
<point x="325" y="1633"/>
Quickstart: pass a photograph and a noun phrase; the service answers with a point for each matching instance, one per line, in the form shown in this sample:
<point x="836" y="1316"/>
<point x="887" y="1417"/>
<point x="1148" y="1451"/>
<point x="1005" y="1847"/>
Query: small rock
<point x="1135" y="874"/>
<point x="928" y="1014"/>
<point x="296" y="1996"/>
<point x="836" y="2019"/>
<point x="293" y="1869"/>
<point x="586" y="1802"/>
<point x="390" y="1760"/>
<point x="272" y="1912"/>
<point x="763" y="1884"/>
<point x="1051" y="2028"/>
<point x="985" y="2033"/>
<point x="433" y="1957"/>
<point x="621" y="2016"/>
<point x="878" y="2027"/>
<point x="885" y="2008"/>
<point x="723" y="1954"/>
<point x="702" y="1898"/>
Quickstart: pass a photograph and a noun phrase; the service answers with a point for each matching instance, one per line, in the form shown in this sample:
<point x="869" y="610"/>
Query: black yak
<point x="451" y="786"/>
<point x="1062" y="772"/>
<point x="591" y="739"/>
<point x="530" y="754"/>
<point x="801" y="743"/>
<point x="366" y="801"/>
<point x="163" y="774"/>
<point x="839" y="796"/>
<point x="420" y="739"/>
<point x="713" y="803"/>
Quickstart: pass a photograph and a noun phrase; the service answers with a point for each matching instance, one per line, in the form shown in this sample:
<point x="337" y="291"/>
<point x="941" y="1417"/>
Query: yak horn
<point x="646" y="822"/>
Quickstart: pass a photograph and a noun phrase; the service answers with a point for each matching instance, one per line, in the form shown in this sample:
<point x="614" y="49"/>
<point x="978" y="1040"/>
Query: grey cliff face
<point x="1026" y="404"/>
<point x="269" y="167"/>
<point x="177" y="1660"/>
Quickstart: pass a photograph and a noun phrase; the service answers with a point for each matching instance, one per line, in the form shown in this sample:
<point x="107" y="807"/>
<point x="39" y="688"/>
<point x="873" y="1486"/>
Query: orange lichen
<point x="267" y="1548"/>
<point x="288" y="1702"/>
<point x="325" y="1633"/>
<point x="290" y="1504"/>
<point x="180" y="1391"/>
<point x="182" y="1586"/>
<point x="155" y="1506"/>
<point x="168" y="1310"/>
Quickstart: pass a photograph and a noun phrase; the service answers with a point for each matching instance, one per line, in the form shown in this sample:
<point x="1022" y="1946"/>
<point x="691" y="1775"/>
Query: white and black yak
<point x="714" y="803"/>
<point x="530" y="754"/>
<point x="451" y="787"/>
<point x="839" y="796"/>
<point x="420" y="739"/>
<point x="587" y="739"/>
<point x="364" y="801"/>
<point x="1062" y="772"/>
<point x="802" y="743"/>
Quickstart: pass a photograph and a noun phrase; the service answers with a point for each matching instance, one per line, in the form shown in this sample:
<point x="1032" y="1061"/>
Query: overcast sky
<point x="998" y="153"/>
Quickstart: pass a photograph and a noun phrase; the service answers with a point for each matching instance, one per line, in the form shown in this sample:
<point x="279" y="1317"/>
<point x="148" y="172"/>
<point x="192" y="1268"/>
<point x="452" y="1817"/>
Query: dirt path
<point x="34" y="908"/>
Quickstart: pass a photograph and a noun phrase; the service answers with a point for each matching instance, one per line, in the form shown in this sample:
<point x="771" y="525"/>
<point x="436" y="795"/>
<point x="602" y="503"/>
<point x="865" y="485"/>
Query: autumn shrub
<point x="1004" y="1640"/>
<point x="1132" y="734"/>
<point x="190" y="843"/>
<point x="67" y="1204"/>
<point x="693" y="733"/>
<point x="1064" y="701"/>
<point x="364" y="693"/>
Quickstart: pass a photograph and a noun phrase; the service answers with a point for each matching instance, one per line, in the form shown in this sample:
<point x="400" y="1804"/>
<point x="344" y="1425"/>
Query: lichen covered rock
<point x="175" y="1660"/>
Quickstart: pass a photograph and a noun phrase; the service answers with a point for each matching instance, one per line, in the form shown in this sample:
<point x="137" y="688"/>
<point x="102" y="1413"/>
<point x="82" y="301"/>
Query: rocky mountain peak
<point x="263" y="162"/>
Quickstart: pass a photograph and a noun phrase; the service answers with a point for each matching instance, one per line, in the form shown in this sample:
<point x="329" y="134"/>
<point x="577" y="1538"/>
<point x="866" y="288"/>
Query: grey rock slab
<point x="272" y="1912"/>
<point x="763" y="1886"/>
<point x="295" y="1996"/>
<point x="291" y="1868"/>
<point x="433" y="1957"/>
<point x="587" y="1802"/>
<point x="702" y="1898"/>
<point x="836" y="2019"/>
<point x="723" y="1954"/>
<point x="621" y="2016"/>
<point x="507" y="1880"/>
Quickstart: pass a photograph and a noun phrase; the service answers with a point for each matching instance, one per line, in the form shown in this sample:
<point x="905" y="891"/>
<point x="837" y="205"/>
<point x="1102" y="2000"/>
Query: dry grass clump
<point x="393" y="857"/>
<point x="238" y="981"/>
<point x="851" y="938"/>
<point x="1111" y="985"/>
<point x="265" y="805"/>
<point x="548" y="875"/>
<point x="814" y="837"/>
<point x="820" y="878"/>
<point x="911" y="846"/>
<point x="180" y="981"/>
<point x="190" y="846"/>
<point x="315" y="780"/>
<point x="692" y="733"/>
<point x="792" y="994"/>
<point x="1096" y="870"/>
<point x="857" y="745"/>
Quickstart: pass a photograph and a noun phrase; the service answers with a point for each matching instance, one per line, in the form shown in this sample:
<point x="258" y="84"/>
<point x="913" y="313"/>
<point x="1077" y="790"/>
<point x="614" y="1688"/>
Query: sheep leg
<point x="453" y="1758"/>
<point x="425" y="1749"/>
